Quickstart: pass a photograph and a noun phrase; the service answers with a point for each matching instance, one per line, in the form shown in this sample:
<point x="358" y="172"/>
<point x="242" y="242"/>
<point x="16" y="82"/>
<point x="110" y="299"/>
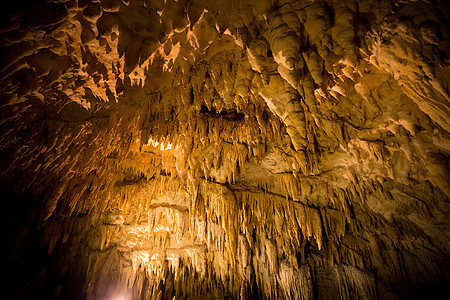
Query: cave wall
<point x="226" y="149"/>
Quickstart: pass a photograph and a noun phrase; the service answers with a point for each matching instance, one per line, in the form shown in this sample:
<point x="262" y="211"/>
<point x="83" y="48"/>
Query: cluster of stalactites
<point x="236" y="237"/>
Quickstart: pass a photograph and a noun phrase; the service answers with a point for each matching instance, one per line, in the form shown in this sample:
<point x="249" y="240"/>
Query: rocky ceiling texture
<point x="231" y="149"/>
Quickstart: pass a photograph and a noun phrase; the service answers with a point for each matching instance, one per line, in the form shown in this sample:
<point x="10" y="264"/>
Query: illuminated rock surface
<point x="232" y="149"/>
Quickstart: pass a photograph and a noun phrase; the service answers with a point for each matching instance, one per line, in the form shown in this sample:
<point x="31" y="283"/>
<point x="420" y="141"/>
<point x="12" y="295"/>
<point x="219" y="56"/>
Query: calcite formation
<point x="275" y="149"/>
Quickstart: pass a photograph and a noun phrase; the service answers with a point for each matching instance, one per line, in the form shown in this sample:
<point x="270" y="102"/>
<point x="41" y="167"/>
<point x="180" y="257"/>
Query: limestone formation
<point x="191" y="149"/>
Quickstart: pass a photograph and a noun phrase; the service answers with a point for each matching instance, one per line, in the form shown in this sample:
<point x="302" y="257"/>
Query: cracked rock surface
<point x="192" y="149"/>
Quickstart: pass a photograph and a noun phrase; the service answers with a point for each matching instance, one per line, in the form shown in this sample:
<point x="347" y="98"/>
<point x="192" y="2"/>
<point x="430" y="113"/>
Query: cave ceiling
<point x="285" y="149"/>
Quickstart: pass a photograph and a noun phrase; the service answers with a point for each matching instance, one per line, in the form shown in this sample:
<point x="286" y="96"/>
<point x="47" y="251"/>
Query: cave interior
<point x="229" y="149"/>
